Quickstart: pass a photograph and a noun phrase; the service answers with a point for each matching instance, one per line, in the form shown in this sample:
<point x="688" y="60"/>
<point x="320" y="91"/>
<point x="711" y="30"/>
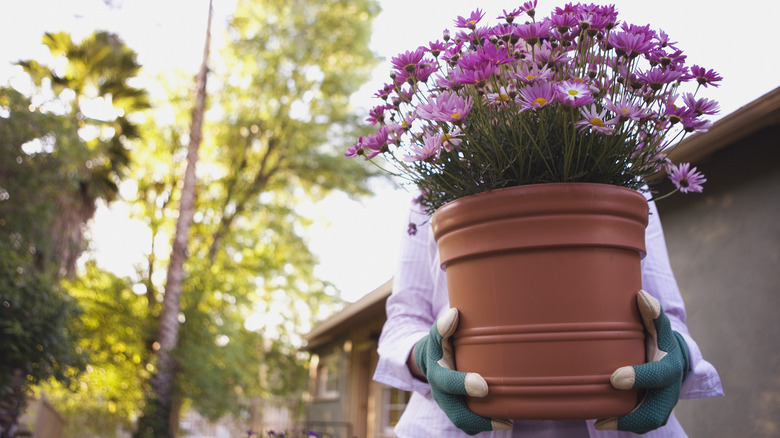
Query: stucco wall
<point x="724" y="246"/>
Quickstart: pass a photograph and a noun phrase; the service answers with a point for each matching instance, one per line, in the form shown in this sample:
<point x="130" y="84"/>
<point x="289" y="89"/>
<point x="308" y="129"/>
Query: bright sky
<point x="358" y="242"/>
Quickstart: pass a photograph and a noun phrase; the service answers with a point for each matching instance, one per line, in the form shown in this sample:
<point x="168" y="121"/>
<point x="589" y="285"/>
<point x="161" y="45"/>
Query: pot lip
<point x="545" y="198"/>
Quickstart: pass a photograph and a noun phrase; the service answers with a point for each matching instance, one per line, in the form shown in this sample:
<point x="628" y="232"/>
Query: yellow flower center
<point x="624" y="111"/>
<point x="596" y="122"/>
<point x="573" y="92"/>
<point x="502" y="97"/>
<point x="455" y="116"/>
<point x="529" y="77"/>
<point x="540" y="101"/>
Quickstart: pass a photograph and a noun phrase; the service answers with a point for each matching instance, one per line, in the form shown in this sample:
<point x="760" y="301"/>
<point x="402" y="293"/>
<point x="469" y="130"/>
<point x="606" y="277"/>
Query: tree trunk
<point x="168" y="331"/>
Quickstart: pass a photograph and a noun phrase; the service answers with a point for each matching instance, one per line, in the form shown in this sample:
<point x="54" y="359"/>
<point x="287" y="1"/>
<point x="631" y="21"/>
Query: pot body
<point x="545" y="279"/>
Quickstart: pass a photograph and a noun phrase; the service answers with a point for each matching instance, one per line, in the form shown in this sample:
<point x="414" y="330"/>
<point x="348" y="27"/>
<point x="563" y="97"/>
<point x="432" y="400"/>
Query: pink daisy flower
<point x="705" y="77"/>
<point x="471" y="21"/>
<point x="625" y="110"/>
<point x="446" y="107"/>
<point x="594" y="120"/>
<point x="574" y="93"/>
<point x="428" y="150"/>
<point x="498" y="99"/>
<point x="685" y="178"/>
<point x="701" y="106"/>
<point x="536" y="95"/>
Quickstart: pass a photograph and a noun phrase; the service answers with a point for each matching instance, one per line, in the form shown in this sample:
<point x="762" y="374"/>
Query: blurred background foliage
<point x="85" y="132"/>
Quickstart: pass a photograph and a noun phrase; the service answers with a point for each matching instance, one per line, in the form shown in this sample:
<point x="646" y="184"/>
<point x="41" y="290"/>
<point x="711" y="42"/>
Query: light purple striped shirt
<point x="420" y="295"/>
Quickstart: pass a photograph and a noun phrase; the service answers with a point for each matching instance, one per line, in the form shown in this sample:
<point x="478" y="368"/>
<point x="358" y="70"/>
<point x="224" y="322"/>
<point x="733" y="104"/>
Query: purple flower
<point x="446" y="107"/>
<point x="693" y="124"/>
<point x="663" y="40"/>
<point x="574" y="93"/>
<point x="471" y="22"/>
<point x="630" y="45"/>
<point x="498" y="99"/>
<point x="701" y="106"/>
<point x="435" y="48"/>
<point x="657" y="77"/>
<point x="563" y="22"/>
<point x="594" y="120"/>
<point x="537" y="95"/>
<point x="677" y="114"/>
<point x="533" y="32"/>
<point x="685" y="178"/>
<point x="370" y="147"/>
<point x="427" y="151"/>
<point x="509" y="17"/>
<point x="408" y="61"/>
<point x="377" y="114"/>
<point x="424" y="70"/>
<point x="625" y="110"/>
<point x="528" y="74"/>
<point x="474" y="74"/>
<point x="705" y="77"/>
<point x="358" y="149"/>
<point x="451" y="140"/>
<point x="489" y="52"/>
<point x="384" y="92"/>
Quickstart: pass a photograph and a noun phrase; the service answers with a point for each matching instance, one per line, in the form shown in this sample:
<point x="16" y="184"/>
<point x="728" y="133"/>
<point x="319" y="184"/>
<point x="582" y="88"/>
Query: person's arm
<point x="658" y="280"/>
<point x="672" y="354"/>
<point x="409" y="309"/>
<point x="415" y="351"/>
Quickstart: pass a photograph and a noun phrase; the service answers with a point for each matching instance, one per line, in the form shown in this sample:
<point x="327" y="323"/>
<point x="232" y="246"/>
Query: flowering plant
<point x="574" y="97"/>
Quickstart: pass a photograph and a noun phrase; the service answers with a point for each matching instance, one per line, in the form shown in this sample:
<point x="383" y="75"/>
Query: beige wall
<point x="724" y="246"/>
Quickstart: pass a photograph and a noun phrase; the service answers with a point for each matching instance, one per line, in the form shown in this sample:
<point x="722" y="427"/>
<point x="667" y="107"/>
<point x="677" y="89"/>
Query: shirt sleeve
<point x="658" y="280"/>
<point x="409" y="308"/>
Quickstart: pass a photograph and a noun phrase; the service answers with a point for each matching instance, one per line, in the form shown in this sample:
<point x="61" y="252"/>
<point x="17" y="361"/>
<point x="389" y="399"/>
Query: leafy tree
<point x="94" y="101"/>
<point x="272" y="142"/>
<point x="153" y="423"/>
<point x="112" y="331"/>
<point x="35" y="335"/>
<point x="58" y="156"/>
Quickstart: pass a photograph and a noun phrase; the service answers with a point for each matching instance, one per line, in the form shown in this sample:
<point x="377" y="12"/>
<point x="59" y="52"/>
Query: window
<point x="394" y="402"/>
<point x="328" y="377"/>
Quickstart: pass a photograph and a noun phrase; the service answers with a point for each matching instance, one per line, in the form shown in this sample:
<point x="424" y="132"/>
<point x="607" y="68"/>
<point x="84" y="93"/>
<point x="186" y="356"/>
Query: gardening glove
<point x="434" y="357"/>
<point x="662" y="376"/>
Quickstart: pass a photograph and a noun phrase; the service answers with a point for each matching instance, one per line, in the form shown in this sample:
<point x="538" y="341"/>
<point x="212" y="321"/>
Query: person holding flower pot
<point x="578" y="101"/>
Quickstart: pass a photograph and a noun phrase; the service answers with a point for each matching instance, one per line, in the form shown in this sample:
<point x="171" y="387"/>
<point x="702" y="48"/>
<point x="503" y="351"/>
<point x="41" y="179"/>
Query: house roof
<point x="369" y="307"/>
<point x="759" y="114"/>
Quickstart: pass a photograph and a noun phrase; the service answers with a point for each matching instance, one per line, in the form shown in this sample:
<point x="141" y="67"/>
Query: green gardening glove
<point x="662" y="376"/>
<point x="434" y="357"/>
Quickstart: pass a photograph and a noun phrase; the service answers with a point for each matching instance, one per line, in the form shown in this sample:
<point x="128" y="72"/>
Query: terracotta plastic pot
<point x="545" y="279"/>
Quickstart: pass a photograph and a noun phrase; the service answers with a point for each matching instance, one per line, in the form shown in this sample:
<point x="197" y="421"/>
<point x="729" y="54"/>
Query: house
<point x="724" y="246"/>
<point x="345" y="401"/>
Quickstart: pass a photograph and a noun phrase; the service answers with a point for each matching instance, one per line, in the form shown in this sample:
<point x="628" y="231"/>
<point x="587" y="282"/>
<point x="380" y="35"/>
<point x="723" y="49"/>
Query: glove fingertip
<point x="499" y="424"/>
<point x="649" y="307"/>
<point x="623" y="378"/>
<point x="476" y="386"/>
<point x="606" y="424"/>
<point x="447" y="323"/>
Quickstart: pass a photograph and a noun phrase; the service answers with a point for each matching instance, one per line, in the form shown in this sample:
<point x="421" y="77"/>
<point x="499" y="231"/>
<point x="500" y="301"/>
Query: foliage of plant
<point x="36" y="336"/>
<point x="113" y="334"/>
<point x="269" y="143"/>
<point x="575" y="97"/>
<point x="58" y="156"/>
